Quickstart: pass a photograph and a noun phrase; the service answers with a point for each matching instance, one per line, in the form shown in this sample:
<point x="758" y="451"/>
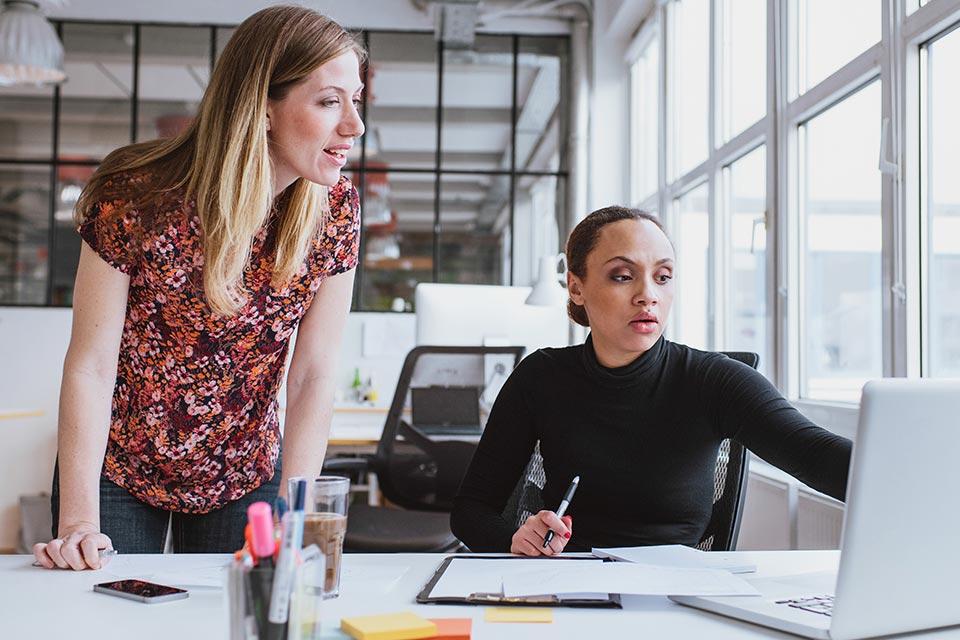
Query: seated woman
<point x="639" y="418"/>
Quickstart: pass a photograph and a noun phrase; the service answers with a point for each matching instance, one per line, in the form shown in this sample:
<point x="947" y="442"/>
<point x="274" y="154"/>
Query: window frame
<point x="895" y="62"/>
<point x="359" y="168"/>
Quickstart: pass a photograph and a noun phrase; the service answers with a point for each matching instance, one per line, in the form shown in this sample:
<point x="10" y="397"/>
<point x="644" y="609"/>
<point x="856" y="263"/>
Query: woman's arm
<point x="89" y="376"/>
<point x="502" y="455"/>
<point x="311" y="379"/>
<point x="752" y="412"/>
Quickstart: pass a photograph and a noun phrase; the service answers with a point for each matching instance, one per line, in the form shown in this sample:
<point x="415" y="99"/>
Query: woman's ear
<point x="269" y="110"/>
<point x="574" y="286"/>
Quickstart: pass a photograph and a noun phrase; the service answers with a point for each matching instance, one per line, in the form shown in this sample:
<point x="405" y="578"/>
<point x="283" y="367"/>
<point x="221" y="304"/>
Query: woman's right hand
<point x="78" y="548"/>
<point x="528" y="540"/>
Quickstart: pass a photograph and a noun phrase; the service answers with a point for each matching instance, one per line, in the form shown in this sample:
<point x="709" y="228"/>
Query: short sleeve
<point x="110" y="231"/>
<point x="342" y="232"/>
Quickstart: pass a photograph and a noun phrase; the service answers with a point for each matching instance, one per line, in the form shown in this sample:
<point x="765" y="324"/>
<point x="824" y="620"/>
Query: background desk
<point x="49" y="604"/>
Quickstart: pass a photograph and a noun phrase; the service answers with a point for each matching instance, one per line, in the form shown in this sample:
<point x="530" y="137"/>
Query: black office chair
<point x="418" y="471"/>
<point x="729" y="487"/>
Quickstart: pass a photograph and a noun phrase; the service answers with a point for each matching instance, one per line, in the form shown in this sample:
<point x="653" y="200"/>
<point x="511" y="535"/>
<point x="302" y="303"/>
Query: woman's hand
<point x="78" y="548"/>
<point x="528" y="540"/>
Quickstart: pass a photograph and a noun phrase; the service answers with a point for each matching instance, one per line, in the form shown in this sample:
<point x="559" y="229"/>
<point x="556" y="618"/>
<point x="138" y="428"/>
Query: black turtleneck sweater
<point x="643" y="438"/>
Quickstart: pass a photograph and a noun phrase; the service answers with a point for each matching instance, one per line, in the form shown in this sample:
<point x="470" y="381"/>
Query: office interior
<point x="801" y="154"/>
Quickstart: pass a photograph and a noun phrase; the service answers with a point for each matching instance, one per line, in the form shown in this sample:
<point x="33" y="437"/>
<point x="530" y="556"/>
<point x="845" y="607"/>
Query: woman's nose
<point x="352" y="124"/>
<point x="646" y="294"/>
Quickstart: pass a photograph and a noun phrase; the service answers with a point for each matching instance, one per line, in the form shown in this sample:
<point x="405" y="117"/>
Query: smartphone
<point x="141" y="591"/>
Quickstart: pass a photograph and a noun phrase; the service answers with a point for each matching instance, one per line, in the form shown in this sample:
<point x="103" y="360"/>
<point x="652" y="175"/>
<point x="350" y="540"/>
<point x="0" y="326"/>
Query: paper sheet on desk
<point x="465" y="576"/>
<point x="372" y="577"/>
<point x="625" y="578"/>
<point x="199" y="574"/>
<point x="678" y="556"/>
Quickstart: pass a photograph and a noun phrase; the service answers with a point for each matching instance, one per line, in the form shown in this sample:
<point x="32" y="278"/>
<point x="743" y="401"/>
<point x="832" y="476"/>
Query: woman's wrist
<point x="71" y="526"/>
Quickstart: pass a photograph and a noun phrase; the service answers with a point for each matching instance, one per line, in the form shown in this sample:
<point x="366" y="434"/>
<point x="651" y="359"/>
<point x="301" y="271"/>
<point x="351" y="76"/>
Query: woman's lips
<point x="644" y="326"/>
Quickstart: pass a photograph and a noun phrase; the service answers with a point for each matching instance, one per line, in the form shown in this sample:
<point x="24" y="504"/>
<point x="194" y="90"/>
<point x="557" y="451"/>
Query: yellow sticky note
<point x="519" y="614"/>
<point x="391" y="626"/>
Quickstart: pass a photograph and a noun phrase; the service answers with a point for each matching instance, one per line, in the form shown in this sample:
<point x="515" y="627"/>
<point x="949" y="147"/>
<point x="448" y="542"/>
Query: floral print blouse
<point x="194" y="414"/>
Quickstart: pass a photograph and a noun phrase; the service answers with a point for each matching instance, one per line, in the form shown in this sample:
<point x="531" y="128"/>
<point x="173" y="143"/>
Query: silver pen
<point x="567" y="497"/>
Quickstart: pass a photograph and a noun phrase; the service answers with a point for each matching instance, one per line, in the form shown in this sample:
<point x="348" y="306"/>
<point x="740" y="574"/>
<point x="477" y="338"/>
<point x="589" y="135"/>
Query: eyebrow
<point x="628" y="260"/>
<point x="341" y="89"/>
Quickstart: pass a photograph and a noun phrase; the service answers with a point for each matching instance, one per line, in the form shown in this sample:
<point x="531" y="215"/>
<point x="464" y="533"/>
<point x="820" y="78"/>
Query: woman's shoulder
<point x="710" y="366"/>
<point x="344" y="199"/>
<point x="550" y="360"/>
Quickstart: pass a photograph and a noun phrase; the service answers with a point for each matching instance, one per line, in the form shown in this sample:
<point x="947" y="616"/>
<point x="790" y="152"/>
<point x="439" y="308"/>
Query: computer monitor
<point x="486" y="315"/>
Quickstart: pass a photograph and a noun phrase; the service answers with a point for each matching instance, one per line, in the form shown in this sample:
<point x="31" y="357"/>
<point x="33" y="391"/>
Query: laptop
<point x="900" y="555"/>
<point x="439" y="410"/>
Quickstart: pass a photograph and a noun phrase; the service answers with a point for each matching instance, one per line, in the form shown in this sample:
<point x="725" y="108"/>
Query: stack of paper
<point x="678" y="556"/>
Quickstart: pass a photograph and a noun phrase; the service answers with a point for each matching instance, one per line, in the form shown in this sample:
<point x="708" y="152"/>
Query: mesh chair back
<point x="418" y="468"/>
<point x="728" y="487"/>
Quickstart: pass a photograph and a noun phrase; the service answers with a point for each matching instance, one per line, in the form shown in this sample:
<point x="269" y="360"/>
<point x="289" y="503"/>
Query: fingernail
<point x="566" y="535"/>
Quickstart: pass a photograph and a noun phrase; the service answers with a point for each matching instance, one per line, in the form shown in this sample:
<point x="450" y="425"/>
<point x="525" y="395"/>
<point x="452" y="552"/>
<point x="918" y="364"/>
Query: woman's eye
<point x="329" y="102"/>
<point x="663" y="278"/>
<point x="357" y="103"/>
<point x="620" y="277"/>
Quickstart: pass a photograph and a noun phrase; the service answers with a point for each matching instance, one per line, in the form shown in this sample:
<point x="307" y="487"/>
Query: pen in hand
<point x="567" y="497"/>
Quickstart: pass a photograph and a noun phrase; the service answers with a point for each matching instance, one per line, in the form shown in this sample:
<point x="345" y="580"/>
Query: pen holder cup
<point x="248" y="602"/>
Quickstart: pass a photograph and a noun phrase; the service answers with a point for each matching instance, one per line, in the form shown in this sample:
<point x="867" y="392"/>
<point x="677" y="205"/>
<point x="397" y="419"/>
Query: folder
<point x="489" y="589"/>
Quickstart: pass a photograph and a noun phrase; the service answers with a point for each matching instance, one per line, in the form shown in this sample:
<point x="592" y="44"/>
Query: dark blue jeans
<point x="136" y="527"/>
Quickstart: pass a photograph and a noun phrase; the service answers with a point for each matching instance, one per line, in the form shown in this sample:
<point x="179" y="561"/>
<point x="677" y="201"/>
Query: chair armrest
<point x="346" y="465"/>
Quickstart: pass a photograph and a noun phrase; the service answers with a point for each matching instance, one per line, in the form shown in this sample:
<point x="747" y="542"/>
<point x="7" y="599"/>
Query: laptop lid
<point x="450" y="408"/>
<point x="900" y="562"/>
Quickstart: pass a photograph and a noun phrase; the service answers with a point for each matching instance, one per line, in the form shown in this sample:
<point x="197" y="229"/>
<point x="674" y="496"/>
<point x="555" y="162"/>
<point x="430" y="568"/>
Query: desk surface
<point x="44" y="604"/>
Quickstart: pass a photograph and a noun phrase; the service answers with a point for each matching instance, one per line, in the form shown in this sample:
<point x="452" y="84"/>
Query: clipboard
<point x="612" y="601"/>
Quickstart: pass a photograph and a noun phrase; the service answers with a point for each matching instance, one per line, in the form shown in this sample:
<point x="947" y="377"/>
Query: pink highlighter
<point x="260" y="517"/>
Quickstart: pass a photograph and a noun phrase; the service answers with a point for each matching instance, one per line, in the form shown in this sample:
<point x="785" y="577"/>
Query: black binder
<point x="612" y="600"/>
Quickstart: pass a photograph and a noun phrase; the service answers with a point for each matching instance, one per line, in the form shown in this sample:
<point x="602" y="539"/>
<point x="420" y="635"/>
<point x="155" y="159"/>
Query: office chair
<point x="728" y="487"/>
<point x="418" y="471"/>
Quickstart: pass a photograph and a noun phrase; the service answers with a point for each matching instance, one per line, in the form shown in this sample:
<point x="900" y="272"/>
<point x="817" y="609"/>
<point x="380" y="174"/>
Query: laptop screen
<point x="445" y="406"/>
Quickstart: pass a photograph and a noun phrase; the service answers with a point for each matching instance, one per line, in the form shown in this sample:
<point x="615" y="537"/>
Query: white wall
<point x="32" y="345"/>
<point x="33" y="342"/>
<point x="615" y="22"/>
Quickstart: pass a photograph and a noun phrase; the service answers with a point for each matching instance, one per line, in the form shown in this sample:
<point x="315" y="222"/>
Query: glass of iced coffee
<point x="325" y="524"/>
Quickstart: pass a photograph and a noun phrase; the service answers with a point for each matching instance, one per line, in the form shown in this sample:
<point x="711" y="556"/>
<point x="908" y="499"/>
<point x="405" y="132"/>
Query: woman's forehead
<point x="641" y="239"/>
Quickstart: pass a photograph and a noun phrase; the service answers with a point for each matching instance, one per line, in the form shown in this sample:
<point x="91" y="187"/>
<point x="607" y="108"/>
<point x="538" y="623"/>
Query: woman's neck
<point x="610" y="357"/>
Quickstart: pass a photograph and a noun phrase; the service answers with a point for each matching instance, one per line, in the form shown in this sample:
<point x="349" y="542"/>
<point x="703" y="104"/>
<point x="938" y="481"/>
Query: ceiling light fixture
<point x="30" y="51"/>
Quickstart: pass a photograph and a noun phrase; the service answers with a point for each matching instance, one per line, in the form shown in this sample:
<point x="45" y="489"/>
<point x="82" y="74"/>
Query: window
<point x="793" y="240"/>
<point x="941" y="240"/>
<point x="645" y="120"/>
<point x="459" y="146"/>
<point x="690" y="83"/>
<point x="691" y="235"/>
<point x="841" y="327"/>
<point x="744" y="65"/>
<point x="832" y="34"/>
<point x="745" y="310"/>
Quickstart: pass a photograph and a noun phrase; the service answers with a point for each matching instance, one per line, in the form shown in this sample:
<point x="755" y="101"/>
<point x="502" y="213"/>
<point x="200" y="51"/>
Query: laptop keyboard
<point x="814" y="604"/>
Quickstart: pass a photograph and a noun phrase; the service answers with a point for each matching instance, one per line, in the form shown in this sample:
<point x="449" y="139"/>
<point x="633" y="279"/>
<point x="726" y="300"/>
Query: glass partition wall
<point x="461" y="171"/>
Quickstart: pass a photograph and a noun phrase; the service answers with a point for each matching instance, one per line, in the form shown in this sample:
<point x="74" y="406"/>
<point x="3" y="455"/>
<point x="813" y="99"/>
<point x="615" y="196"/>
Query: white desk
<point x="37" y="603"/>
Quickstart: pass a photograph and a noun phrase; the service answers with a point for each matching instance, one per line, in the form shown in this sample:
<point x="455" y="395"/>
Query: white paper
<point x="625" y="577"/>
<point x="181" y="573"/>
<point x="372" y="577"/>
<point x="465" y="576"/>
<point x="678" y="556"/>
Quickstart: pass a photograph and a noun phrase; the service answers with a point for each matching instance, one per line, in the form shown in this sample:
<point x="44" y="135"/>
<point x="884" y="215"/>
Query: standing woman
<point x="202" y="254"/>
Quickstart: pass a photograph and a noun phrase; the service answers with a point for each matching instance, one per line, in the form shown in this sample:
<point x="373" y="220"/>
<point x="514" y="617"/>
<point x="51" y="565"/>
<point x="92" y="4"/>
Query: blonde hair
<point x="222" y="159"/>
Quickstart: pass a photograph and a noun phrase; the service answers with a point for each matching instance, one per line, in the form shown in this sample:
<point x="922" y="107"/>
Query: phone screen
<point x="140" y="588"/>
